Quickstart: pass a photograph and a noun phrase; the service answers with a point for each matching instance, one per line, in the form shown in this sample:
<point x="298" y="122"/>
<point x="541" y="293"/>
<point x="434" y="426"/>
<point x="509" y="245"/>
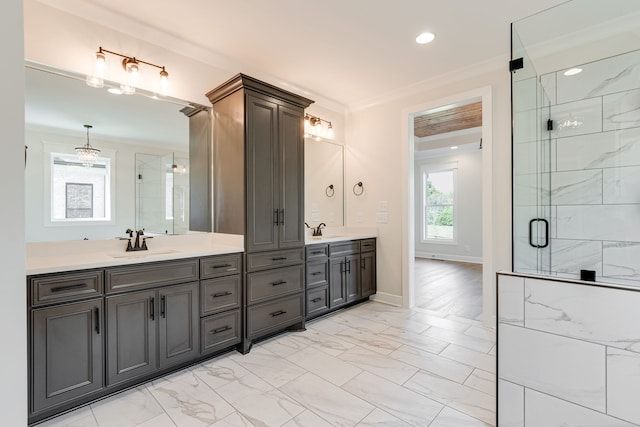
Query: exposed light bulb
<point x="127" y="89"/>
<point x="164" y="81"/>
<point x="330" y="130"/>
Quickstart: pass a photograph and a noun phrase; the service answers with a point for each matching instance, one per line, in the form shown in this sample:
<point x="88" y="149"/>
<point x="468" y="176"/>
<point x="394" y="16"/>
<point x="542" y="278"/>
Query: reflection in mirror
<point x="128" y="130"/>
<point x="324" y="182"/>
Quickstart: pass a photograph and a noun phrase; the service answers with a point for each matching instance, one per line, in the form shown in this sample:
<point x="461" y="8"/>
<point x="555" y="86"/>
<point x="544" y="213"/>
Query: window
<point x="438" y="205"/>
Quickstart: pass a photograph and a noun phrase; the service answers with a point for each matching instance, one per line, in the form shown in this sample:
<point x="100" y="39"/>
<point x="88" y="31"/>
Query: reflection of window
<point x="438" y="213"/>
<point x="79" y="200"/>
<point x="168" y="195"/>
<point x="80" y="192"/>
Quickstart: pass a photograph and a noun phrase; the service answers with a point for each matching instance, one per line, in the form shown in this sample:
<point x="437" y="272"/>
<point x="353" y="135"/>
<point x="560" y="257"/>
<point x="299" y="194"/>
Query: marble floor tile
<point x="472" y="402"/>
<point x="380" y="418"/>
<point x="82" y="417"/>
<point x="359" y="323"/>
<point x="420" y="341"/>
<point x="439" y="321"/>
<point x="330" y="368"/>
<point x="378" y="364"/>
<point x="330" y="402"/>
<point x="400" y="320"/>
<point x="486" y="362"/>
<point x="274" y="369"/>
<point x="128" y="408"/>
<point x="325" y="342"/>
<point x="220" y="371"/>
<point x="374" y="342"/>
<point x="259" y="402"/>
<point x="326" y="325"/>
<point x="462" y="339"/>
<point x="399" y="401"/>
<point x="482" y="381"/>
<point x="451" y="418"/>
<point x="233" y="420"/>
<point x="482" y="332"/>
<point x="447" y="368"/>
<point x="307" y="419"/>
<point x="162" y="420"/>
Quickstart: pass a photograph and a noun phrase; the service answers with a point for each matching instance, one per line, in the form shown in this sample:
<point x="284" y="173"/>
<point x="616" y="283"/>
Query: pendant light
<point x="87" y="154"/>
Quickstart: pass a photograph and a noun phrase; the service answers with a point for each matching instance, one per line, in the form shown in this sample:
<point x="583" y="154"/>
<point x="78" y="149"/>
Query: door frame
<point x="408" y="202"/>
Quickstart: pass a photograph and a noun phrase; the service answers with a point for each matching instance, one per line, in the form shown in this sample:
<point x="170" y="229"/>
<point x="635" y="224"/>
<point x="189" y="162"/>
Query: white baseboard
<point x="447" y="257"/>
<point x="395" y="300"/>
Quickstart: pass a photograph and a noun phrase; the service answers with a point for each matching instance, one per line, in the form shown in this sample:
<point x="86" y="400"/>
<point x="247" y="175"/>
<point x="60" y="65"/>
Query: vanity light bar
<point x="313" y="126"/>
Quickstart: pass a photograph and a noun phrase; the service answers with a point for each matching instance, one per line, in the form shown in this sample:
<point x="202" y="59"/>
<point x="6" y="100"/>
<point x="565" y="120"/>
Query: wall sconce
<point x="314" y="126"/>
<point x="131" y="65"/>
<point x="87" y="154"/>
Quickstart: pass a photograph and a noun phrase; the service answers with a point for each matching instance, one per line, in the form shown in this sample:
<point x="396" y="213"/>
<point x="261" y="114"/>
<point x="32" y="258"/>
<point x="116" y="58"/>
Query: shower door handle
<point x="546" y="232"/>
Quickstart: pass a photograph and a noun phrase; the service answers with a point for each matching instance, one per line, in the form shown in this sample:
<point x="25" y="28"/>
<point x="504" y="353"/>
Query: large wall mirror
<point x="324" y="182"/>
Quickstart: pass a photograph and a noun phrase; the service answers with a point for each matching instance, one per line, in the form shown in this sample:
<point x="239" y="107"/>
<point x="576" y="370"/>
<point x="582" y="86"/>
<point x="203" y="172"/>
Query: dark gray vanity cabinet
<point x="317" y="280"/>
<point x="344" y="282"/>
<point x="368" y="283"/>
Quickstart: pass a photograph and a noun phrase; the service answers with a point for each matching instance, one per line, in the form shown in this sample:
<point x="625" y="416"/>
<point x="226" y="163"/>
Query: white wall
<point x="468" y="193"/>
<point x="125" y="188"/>
<point x="13" y="316"/>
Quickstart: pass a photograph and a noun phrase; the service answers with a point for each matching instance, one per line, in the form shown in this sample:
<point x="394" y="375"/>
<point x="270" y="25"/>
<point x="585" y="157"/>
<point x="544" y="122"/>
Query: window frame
<point x="425" y="170"/>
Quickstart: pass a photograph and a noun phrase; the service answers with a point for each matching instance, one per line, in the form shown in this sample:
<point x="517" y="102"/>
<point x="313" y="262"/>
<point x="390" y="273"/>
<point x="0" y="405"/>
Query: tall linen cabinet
<point x="258" y="191"/>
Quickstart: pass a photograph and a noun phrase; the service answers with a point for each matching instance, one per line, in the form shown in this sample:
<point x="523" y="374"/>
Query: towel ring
<point x="358" y="192"/>
<point x="330" y="191"/>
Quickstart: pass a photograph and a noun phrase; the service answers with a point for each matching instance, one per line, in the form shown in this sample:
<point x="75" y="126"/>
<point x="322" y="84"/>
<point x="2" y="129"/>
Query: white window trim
<point x="54" y="147"/>
<point x="431" y="168"/>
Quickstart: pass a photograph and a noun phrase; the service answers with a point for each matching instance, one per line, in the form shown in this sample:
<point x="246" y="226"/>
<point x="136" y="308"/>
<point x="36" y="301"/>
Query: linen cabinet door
<point x="67" y="353"/>
<point x="131" y="335"/>
<point x="337" y="288"/>
<point x="352" y="277"/>
<point x="368" y="273"/>
<point x="179" y="324"/>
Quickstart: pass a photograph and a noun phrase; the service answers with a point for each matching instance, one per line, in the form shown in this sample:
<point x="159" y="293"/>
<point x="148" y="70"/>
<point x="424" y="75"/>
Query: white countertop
<point x="51" y="257"/>
<point x="341" y="234"/>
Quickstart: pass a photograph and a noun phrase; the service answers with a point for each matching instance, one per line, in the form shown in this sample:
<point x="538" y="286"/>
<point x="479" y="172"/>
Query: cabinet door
<point x="179" y="324"/>
<point x="337" y="288"/>
<point x="368" y="273"/>
<point x="67" y="352"/>
<point x="291" y="164"/>
<point x="352" y="277"/>
<point x="131" y="336"/>
<point x="263" y="206"/>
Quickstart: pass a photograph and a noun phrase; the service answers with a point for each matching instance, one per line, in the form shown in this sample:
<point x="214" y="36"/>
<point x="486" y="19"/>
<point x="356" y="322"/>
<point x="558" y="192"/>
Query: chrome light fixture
<point x="87" y="154"/>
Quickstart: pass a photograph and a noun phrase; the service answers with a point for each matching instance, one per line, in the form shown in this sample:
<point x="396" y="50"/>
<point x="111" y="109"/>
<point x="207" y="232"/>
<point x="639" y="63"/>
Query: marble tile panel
<point x="82" y="417"/>
<point x="412" y="339"/>
<point x="433" y="363"/>
<point x="548" y="411"/>
<point x="380" y="418"/>
<point x="383" y="366"/>
<point x="599" y="222"/>
<point x="325" y="342"/>
<point x="460" y="338"/>
<point x="621" y="110"/>
<point x="610" y="75"/>
<point x="620" y="260"/>
<point x="439" y="321"/>
<point x="259" y="402"/>
<point x="591" y="313"/>
<point x="451" y="418"/>
<point x="307" y="419"/>
<point x="376" y="342"/>
<point x="188" y="400"/>
<point x="471" y="402"/>
<point x="330" y="368"/>
<point x="621" y="185"/>
<point x="576" y="187"/>
<point x="405" y="404"/>
<point x="233" y="420"/>
<point x="510" y="404"/>
<point x="482" y="381"/>
<point x="511" y="299"/>
<point x="335" y="405"/>
<point x="600" y="150"/>
<point x="129" y="408"/>
<point x="526" y="90"/>
<point x="469" y="357"/>
<point x="528" y="158"/>
<point x="220" y="371"/>
<point x="549" y="88"/>
<point x="162" y="420"/>
<point x="526" y="126"/>
<point x="576" y="118"/>
<point x="529" y="190"/>
<point x="623" y="384"/>
<point x="570" y="369"/>
<point x="571" y="256"/>
<point x="274" y="369"/>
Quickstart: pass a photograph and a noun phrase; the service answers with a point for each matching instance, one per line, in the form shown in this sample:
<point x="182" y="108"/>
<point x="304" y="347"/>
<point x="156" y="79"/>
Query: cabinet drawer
<point x="344" y="248"/>
<point x="220" y="266"/>
<point x="262" y="260"/>
<point x="367" y="245"/>
<point x="141" y="276"/>
<point x="49" y="289"/>
<point x="272" y="316"/>
<point x="271" y="283"/>
<point x="220" y="331"/>
<point x="317" y="252"/>
<point x="317" y="301"/>
<point x="317" y="273"/>
<point x="219" y="294"/>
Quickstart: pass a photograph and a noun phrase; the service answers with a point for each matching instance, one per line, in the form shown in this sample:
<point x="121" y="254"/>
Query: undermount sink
<point x="143" y="254"/>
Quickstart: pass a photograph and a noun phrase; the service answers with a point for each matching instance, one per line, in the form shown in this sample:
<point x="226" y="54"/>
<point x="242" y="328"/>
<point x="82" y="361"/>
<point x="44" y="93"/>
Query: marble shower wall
<point x="584" y="175"/>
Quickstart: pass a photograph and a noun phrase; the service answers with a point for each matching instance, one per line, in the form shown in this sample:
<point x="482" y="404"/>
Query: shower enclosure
<point x="575" y="74"/>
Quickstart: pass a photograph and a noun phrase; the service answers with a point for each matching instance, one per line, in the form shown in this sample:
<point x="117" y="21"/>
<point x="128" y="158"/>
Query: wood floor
<point x="449" y="287"/>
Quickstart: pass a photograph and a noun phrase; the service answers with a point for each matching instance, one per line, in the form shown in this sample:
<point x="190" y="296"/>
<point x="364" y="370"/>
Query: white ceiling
<point x="348" y="51"/>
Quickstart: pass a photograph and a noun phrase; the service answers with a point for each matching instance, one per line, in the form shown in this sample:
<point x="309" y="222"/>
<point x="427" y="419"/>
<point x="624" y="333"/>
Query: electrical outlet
<point x="359" y="217"/>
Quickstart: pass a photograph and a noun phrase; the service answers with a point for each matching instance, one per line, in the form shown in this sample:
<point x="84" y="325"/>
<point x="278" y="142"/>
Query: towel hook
<point x="356" y="191"/>
<point x="330" y="191"/>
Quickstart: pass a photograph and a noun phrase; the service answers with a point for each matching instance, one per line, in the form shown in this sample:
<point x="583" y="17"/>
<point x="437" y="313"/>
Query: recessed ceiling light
<point x="114" y="90"/>
<point x="572" y="71"/>
<point x="425" y="38"/>
<point x="454" y="148"/>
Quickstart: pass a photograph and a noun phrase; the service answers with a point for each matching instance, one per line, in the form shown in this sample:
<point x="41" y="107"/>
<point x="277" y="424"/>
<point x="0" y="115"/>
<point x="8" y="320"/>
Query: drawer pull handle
<point x="218" y="330"/>
<point x="222" y="265"/>
<point x="316" y="273"/>
<point x="221" y="294"/>
<point x="281" y="282"/>
<point x="68" y="287"/>
<point x="316" y="299"/>
<point x="278" y="313"/>
<point x="316" y="252"/>
<point x="152" y="308"/>
<point x="280" y="258"/>
<point x="97" y="313"/>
